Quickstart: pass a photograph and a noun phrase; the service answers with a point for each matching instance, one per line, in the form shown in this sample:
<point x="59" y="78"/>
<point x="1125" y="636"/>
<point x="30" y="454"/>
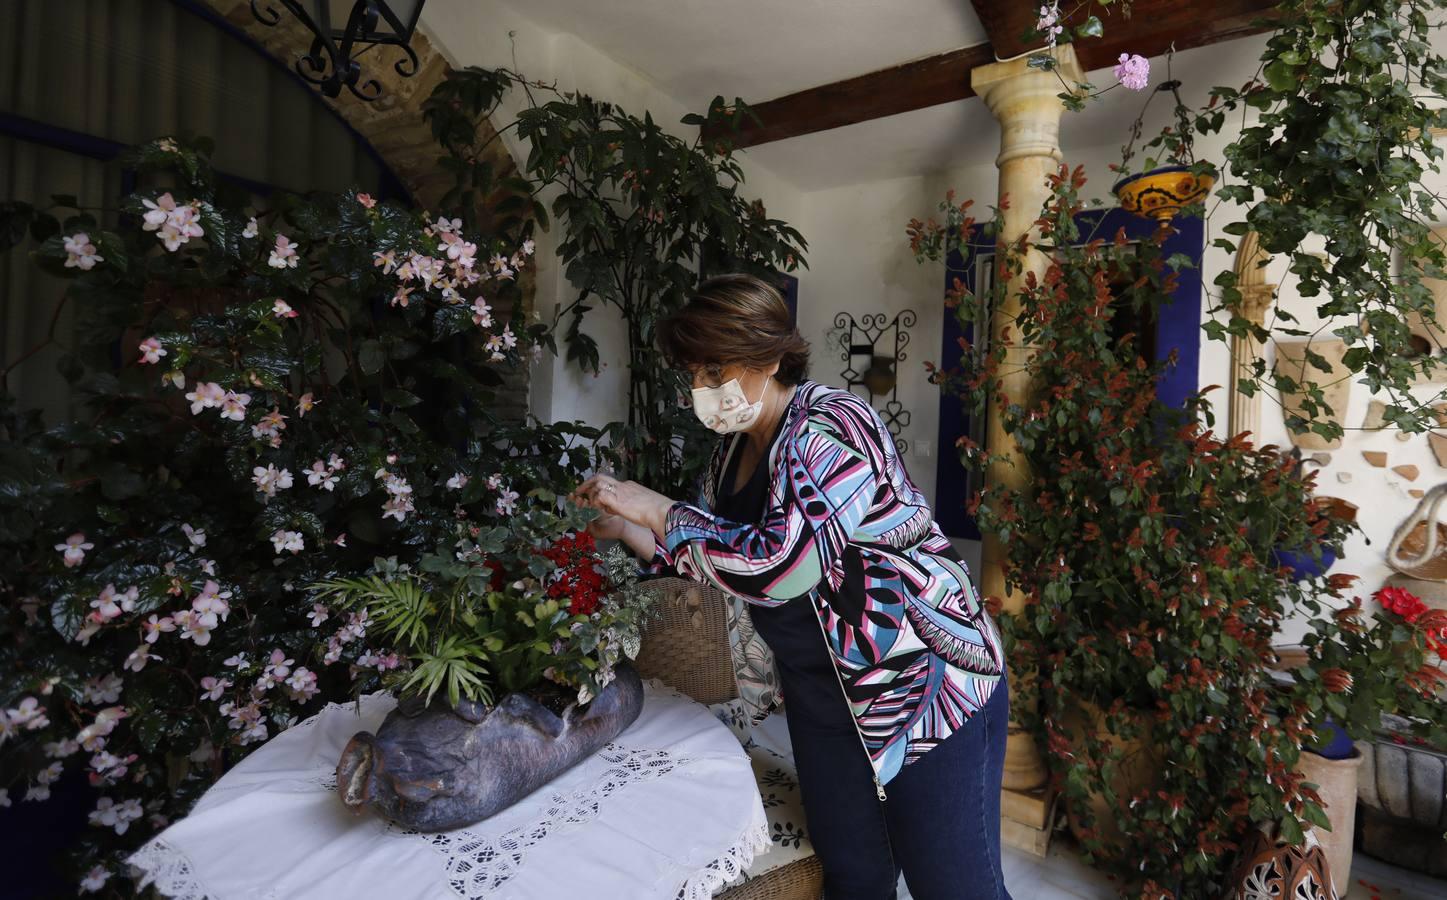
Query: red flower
<point x="1400" y="601"/>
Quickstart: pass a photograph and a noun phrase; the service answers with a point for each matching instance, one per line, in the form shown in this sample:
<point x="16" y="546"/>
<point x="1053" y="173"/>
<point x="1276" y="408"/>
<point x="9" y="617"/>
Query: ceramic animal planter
<point x="442" y="767"/>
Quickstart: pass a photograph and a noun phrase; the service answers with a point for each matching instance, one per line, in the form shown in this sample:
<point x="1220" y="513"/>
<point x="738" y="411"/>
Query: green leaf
<point x="371" y="357"/>
<point x="1091" y="27"/>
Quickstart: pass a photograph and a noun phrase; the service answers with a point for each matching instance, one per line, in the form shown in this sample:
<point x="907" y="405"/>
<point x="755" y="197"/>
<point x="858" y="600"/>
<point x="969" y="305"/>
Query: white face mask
<point x="726" y="408"/>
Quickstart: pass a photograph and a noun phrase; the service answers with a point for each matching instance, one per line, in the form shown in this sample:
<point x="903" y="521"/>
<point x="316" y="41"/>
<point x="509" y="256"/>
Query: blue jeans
<point x="940" y="826"/>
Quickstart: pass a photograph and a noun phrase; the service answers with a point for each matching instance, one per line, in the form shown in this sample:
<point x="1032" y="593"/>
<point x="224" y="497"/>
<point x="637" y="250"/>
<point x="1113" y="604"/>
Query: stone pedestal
<point x="1026" y="103"/>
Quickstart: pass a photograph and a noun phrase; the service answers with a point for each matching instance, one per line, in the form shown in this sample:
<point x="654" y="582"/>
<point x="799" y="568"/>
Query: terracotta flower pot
<point x="1138" y="769"/>
<point x="1336" y="781"/>
<point x="441" y="767"/>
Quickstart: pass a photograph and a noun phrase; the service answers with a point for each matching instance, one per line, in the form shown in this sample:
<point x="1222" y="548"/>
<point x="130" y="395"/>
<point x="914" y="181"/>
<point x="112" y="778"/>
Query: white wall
<point x="490" y="34"/>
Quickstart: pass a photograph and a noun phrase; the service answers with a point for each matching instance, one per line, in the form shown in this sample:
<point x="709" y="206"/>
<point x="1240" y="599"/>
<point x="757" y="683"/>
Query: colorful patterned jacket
<point x="848" y="532"/>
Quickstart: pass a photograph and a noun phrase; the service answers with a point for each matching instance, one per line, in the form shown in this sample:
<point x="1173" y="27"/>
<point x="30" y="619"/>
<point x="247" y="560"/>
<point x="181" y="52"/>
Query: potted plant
<point x="520" y="671"/>
<point x="1174" y="180"/>
<point x="1354" y="670"/>
<point x="1144" y="545"/>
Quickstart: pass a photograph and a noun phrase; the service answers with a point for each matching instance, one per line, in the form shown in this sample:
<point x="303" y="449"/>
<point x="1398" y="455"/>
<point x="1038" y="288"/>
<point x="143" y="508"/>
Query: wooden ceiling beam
<point x="1153" y="27"/>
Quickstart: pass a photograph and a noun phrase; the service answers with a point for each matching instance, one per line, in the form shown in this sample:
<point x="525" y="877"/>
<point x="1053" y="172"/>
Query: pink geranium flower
<point x="1133" y="71"/>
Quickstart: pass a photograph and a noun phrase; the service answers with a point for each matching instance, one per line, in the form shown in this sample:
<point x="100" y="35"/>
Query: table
<point x="668" y="810"/>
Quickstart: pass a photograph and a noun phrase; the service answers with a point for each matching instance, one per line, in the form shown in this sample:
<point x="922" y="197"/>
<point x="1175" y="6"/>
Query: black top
<point x="812" y="695"/>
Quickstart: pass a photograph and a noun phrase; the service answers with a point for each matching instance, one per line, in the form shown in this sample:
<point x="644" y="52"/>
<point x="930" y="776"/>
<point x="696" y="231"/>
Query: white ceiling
<point x="758" y="49"/>
<point x="761" y="49"/>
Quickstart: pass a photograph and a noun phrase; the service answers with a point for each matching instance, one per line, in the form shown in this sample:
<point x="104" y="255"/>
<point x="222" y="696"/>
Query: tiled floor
<point x="1062" y="876"/>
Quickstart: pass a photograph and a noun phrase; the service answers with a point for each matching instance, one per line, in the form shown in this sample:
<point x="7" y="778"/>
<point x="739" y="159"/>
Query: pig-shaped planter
<point x="443" y="767"/>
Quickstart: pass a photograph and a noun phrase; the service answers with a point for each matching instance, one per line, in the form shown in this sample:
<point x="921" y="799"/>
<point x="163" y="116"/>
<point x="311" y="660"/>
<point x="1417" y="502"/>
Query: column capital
<point x="1026" y="102"/>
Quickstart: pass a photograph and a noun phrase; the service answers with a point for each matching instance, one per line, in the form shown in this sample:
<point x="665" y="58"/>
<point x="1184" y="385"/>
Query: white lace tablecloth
<point x="668" y="810"/>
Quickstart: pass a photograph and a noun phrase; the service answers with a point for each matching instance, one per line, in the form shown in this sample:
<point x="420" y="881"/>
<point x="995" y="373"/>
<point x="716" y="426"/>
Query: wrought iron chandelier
<point x="342" y="30"/>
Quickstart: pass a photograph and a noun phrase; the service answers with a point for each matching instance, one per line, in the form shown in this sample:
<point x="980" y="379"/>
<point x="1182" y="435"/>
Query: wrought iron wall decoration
<point x="871" y="348"/>
<point x="343" y="30"/>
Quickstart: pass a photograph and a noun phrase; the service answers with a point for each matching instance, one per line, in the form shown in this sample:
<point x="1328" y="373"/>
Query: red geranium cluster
<point x="1414" y="612"/>
<point x="577" y="579"/>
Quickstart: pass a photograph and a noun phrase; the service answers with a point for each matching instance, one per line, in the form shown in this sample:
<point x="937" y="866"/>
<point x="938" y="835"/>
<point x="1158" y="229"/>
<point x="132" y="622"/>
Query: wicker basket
<point x="1419" y="548"/>
<point x="687" y="648"/>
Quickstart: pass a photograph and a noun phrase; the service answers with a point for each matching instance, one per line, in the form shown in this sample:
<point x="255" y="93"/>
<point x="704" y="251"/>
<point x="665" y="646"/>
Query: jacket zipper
<point x="878" y="785"/>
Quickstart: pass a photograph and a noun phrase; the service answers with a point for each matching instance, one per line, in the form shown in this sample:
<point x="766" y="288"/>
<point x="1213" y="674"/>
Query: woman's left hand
<point x="628" y="499"/>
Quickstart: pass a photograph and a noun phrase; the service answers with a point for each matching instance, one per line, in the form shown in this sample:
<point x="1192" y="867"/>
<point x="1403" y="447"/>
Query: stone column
<point x="1256" y="298"/>
<point x="1026" y="103"/>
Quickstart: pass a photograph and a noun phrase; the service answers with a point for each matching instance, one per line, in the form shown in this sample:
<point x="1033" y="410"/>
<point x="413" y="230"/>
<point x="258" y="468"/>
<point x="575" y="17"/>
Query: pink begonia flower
<point x="196" y="536"/>
<point x="481" y="313"/>
<point x="138" y="658"/>
<point x="340" y="540"/>
<point x="252" y="229"/>
<point x="29" y="714"/>
<point x="1133" y="71"/>
<point x="444" y="225"/>
<point x="181" y="225"/>
<point x="270" y="426"/>
<point x="213" y="688"/>
<point x="94" y="880"/>
<point x="305" y="404"/>
<point x="319" y="614"/>
<point x="92" y="736"/>
<point x="60" y="749"/>
<point x="282" y="539"/>
<point x="109" y="814"/>
<point x="207" y="395"/>
<point x="278" y="666"/>
<point x="387" y="259"/>
<point x="507" y="503"/>
<point x="366" y="200"/>
<point x="270" y="479"/>
<point x="401" y="297"/>
<point x="283" y="255"/>
<point x="38" y="792"/>
<point x="196" y="627"/>
<point x="158" y="212"/>
<point x="93" y="623"/>
<point x="282" y="310"/>
<point x="233" y="406"/>
<point x="110" y="605"/>
<point x="500" y="267"/>
<point x="176" y="378"/>
<point x="509" y="340"/>
<point x="50" y="774"/>
<point x="236" y="662"/>
<point x="99" y="690"/>
<point x="73" y="550"/>
<point x="154" y="626"/>
<point x="457" y="482"/>
<point x="151" y="351"/>
<point x="80" y="253"/>
<point x="528" y="247"/>
<point x="320" y="476"/>
<point x="302" y="685"/>
<point x="212" y="600"/>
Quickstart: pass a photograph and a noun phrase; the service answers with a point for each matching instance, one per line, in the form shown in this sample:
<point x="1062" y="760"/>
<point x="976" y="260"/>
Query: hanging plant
<point x="1345" y="134"/>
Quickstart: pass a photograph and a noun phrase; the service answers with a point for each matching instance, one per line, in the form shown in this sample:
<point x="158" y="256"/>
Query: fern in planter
<point x="1144" y="545"/>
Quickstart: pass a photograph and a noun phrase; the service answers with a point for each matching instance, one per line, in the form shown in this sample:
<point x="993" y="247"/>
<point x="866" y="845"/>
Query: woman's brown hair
<point x="735" y="319"/>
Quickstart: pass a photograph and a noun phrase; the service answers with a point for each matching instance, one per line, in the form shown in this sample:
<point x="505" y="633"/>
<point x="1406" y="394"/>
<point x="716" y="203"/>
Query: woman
<point x="892" y="672"/>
